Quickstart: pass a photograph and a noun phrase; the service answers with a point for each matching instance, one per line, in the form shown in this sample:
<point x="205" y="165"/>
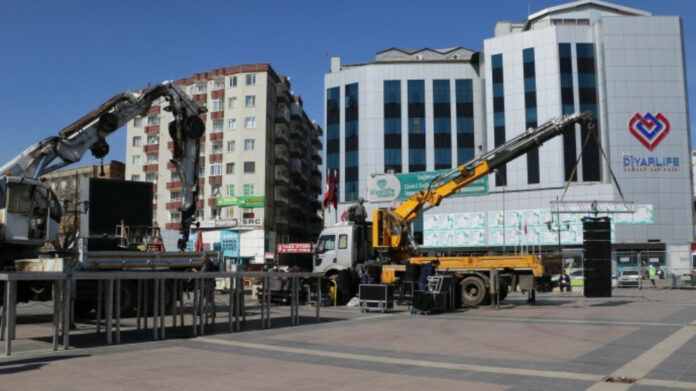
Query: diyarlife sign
<point x="650" y="129"/>
<point x="399" y="187"/>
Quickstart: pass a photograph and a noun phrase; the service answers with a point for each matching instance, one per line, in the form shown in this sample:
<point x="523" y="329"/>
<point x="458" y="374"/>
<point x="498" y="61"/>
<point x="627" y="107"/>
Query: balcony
<point x="281" y="196"/>
<point x="172" y="226"/>
<point x="298" y="148"/>
<point x="215" y="180"/>
<point x="282" y="174"/>
<point x="297" y="130"/>
<point x="201" y="98"/>
<point x="282" y="135"/>
<point x="281" y="154"/>
<point x="315" y="184"/>
<point x="152" y="129"/>
<point x="282" y="114"/>
<point x="154" y="206"/>
<point x="217" y="136"/>
<point x="171" y="166"/>
<point x="174" y="185"/>
<point x="154" y="109"/>
<point x="212" y="201"/>
<point x="217" y="115"/>
<point x="203" y="117"/>
<point x="218" y="93"/>
<point x="316" y="158"/>
<point x="150" y="167"/>
<point x="151" y="148"/>
<point x="201" y="181"/>
<point x="201" y="160"/>
<point x="281" y="221"/>
<point x="215" y="157"/>
<point x="173" y="205"/>
<point x="199" y="204"/>
<point x="170" y="145"/>
<point x="296" y="112"/>
<point x="316" y="143"/>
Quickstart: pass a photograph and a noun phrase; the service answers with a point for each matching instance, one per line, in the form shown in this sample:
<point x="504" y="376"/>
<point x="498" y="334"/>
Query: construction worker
<point x="425" y="272"/>
<point x="652" y="273"/>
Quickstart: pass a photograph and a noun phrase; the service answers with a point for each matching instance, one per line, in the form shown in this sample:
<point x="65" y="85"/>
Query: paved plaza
<point x="563" y="342"/>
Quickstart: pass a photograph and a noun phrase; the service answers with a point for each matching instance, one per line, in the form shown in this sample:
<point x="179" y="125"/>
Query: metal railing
<point x="203" y="309"/>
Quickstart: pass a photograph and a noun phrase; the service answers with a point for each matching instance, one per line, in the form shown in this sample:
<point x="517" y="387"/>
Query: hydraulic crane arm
<point x="90" y="132"/>
<point x="390" y="226"/>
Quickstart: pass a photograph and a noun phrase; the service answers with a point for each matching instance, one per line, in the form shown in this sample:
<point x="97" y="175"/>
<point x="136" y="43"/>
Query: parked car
<point x="629" y="278"/>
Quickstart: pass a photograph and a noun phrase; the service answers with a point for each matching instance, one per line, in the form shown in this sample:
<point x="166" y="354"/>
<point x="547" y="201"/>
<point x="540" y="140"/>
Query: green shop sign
<point x="243" y="201"/>
<point x="399" y="187"/>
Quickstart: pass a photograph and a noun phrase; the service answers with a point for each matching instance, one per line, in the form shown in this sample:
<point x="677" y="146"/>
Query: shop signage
<point x="231" y="223"/>
<point x="399" y="187"/>
<point x="649" y="129"/>
<point x="294" y="248"/>
<point x="639" y="163"/>
<point x="242" y="201"/>
<point x="226" y="201"/>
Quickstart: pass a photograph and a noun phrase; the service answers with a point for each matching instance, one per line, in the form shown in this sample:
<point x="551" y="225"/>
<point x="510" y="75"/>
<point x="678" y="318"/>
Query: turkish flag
<point x="327" y="190"/>
<point x="198" y="247"/>
<point x="334" y="190"/>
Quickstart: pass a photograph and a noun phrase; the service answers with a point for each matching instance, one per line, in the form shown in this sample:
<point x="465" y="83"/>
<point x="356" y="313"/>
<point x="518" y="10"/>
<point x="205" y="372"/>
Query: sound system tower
<point x="597" y="260"/>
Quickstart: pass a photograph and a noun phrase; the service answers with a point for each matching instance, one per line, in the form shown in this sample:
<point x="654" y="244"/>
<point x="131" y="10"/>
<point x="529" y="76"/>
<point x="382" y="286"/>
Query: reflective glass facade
<point x="392" y="125"/>
<point x="587" y="96"/>
<point x="333" y="129"/>
<point x="464" y="91"/>
<point x="442" y="124"/>
<point x="498" y="112"/>
<point x="416" y="125"/>
<point x="568" y="107"/>
<point x="351" y="137"/>
<point x="530" y="107"/>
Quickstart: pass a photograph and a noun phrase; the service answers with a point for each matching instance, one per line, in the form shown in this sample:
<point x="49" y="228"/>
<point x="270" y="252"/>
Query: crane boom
<point x="390" y="226"/>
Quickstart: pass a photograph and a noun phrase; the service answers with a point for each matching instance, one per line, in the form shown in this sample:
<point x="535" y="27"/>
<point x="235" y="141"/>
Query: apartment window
<point x="250" y="80"/>
<point x="230" y="190"/>
<point x="133" y="178"/>
<point x="229" y="212"/>
<point x="333" y="133"/>
<point x="464" y="96"/>
<point x="151" y="177"/>
<point x="249" y="144"/>
<point x="392" y="125"/>
<point x="174" y="196"/>
<point x="216" y="104"/>
<point x="137" y="141"/>
<point x="201" y="152"/>
<point x="136" y="160"/>
<point x="248" y="189"/>
<point x="232" y="103"/>
<point x="138" y="122"/>
<point x="215" y="191"/>
<point x="233" y="81"/>
<point x="231" y="145"/>
<point x="216" y="169"/>
<point x="218" y="84"/>
<point x="250" y="101"/>
<point x="151" y="158"/>
<point x="530" y="106"/>
<point x="153" y="119"/>
<point x="217" y="126"/>
<point x="442" y="121"/>
<point x="174" y="176"/>
<point x="215" y="213"/>
<point x="229" y="169"/>
<point x="217" y="147"/>
<point x="175" y="216"/>
<point x="201" y="172"/>
<point x="416" y="125"/>
<point x="250" y="122"/>
<point x="232" y="124"/>
<point x="498" y="113"/>
<point x="352" y="150"/>
<point x="199" y="214"/>
<point x="152" y="140"/>
<point x="201" y="88"/>
<point x="249" y="167"/>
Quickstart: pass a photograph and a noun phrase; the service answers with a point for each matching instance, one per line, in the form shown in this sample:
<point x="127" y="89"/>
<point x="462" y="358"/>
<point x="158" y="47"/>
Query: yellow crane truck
<point x="342" y="248"/>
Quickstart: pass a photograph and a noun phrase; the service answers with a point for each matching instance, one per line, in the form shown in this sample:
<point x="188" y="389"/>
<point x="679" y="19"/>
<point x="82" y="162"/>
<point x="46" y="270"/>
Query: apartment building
<point x="259" y="157"/>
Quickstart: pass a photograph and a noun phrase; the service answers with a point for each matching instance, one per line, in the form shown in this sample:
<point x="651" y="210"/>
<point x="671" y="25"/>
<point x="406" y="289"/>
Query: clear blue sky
<point x="61" y="59"/>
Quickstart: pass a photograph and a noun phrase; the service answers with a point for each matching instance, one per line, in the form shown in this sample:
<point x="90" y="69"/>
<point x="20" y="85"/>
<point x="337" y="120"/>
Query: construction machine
<point x="343" y="248"/>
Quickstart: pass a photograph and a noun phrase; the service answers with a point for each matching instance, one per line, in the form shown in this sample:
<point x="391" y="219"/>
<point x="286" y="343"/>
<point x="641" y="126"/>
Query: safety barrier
<point x="109" y="294"/>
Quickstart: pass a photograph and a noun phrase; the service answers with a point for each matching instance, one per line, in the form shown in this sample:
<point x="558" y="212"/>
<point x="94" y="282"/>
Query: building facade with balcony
<point x="421" y="110"/>
<point x="258" y="157"/>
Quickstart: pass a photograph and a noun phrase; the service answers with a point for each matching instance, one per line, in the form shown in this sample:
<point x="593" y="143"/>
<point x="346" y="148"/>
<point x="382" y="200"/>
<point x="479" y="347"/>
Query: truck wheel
<point x="346" y="287"/>
<point x="473" y="291"/>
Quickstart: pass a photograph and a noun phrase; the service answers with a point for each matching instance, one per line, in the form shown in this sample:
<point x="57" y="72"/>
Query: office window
<point x="137" y="141"/>
<point x="215" y="169"/>
<point x="442" y="124"/>
<point x="352" y="151"/>
<point x="250" y="122"/>
<point x="230" y="190"/>
<point x="174" y="195"/>
<point x="464" y="96"/>
<point x="530" y="105"/>
<point x="138" y="122"/>
<point x="217" y="147"/>
<point x="250" y="101"/>
<point x="153" y="119"/>
<point x="416" y="125"/>
<point x="233" y="81"/>
<point x="216" y="104"/>
<point x="229" y="169"/>
<point x="567" y="107"/>
<point x="250" y="79"/>
<point x="231" y="145"/>
<point x="232" y="103"/>
<point x="249" y="167"/>
<point x="333" y="135"/>
<point x="249" y="145"/>
<point x="392" y="125"/>
<point x="217" y="126"/>
<point x="587" y="98"/>
<point x="152" y="140"/>
<point x="136" y="160"/>
<point x="231" y="124"/>
<point x="133" y="178"/>
<point x="498" y="113"/>
<point x="248" y="189"/>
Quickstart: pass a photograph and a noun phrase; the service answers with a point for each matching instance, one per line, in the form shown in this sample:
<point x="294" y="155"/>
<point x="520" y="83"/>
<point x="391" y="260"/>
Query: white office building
<point x="423" y="110"/>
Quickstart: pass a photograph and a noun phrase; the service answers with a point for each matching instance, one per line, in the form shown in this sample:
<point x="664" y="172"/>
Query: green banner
<point x="226" y="201"/>
<point x="251" y="201"/>
<point x="399" y="187"/>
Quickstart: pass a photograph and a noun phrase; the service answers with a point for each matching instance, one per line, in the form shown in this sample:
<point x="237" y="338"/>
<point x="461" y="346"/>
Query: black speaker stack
<point x="597" y="261"/>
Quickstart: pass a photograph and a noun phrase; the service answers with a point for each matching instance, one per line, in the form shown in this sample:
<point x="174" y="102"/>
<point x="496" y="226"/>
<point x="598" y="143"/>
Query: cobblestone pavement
<point x="563" y="342"/>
